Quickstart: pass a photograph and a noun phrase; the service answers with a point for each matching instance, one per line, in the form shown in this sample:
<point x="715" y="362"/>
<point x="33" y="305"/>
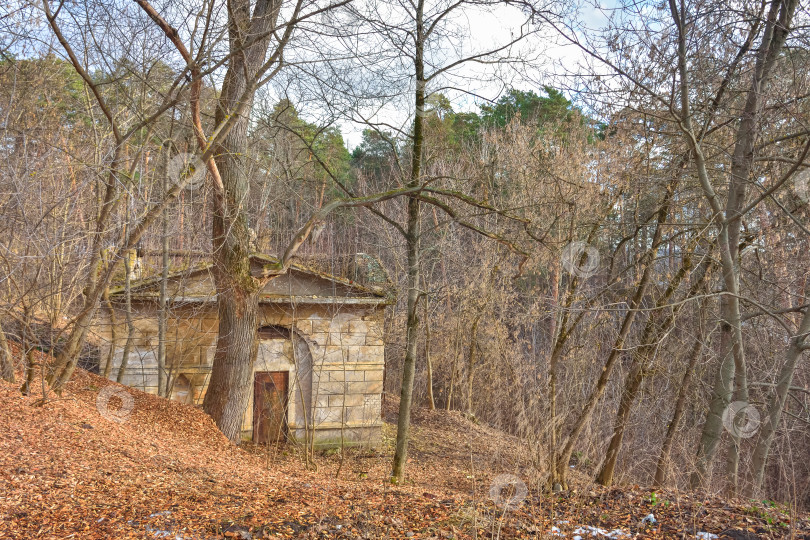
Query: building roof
<point x="300" y="284"/>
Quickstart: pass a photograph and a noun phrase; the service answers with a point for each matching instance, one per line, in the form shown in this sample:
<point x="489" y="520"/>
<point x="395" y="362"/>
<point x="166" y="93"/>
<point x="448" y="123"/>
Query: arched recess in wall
<point x="300" y="357"/>
<point x="182" y="390"/>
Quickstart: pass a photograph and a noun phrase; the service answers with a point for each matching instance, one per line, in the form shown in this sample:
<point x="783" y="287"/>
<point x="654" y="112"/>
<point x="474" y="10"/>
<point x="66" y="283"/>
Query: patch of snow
<point x="649" y="518"/>
<point x="164" y="513"/>
<point x="588" y="530"/>
<point x="706" y="535"/>
<point x="157" y="533"/>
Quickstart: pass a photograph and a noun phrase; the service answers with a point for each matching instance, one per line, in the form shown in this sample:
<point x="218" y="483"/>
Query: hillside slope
<point x="165" y="471"/>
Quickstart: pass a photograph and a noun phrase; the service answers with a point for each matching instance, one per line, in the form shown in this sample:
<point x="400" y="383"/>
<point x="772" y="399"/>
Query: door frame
<point x="285" y="404"/>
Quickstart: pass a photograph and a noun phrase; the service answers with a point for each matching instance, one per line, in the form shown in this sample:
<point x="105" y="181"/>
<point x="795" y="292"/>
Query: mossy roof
<point x="145" y="288"/>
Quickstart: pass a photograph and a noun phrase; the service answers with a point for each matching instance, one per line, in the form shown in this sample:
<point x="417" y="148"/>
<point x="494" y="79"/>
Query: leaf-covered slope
<point x="66" y="471"/>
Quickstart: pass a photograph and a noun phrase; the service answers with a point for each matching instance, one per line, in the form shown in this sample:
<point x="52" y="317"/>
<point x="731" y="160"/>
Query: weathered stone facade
<point x="325" y="332"/>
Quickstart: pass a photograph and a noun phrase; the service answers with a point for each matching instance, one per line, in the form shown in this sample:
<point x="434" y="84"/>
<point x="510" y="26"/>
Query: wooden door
<point x="269" y="406"/>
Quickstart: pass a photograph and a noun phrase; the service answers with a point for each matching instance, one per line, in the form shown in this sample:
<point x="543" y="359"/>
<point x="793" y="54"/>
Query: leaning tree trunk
<point x="652" y="335"/>
<point x="776" y="403"/>
<point x="564" y="456"/>
<point x="648" y="261"/>
<point x="732" y="379"/>
<point x="641" y="359"/>
<point x="680" y="404"/>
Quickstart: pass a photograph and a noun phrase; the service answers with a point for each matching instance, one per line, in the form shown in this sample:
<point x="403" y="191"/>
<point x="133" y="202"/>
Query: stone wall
<point x="348" y="360"/>
<point x="335" y="361"/>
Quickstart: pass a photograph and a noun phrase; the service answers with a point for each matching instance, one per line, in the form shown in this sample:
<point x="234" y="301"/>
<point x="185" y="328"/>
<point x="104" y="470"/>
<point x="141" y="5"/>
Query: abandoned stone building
<point x="320" y="356"/>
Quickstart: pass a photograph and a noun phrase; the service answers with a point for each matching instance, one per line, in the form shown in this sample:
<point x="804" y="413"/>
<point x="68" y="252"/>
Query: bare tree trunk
<point x="648" y="262"/>
<point x="454" y="366"/>
<point x="237" y="290"/>
<point x="6" y="363"/>
<point x="128" y="315"/>
<point x="409" y="365"/>
<point x="471" y="362"/>
<point x="680" y="405"/>
<point x="113" y="332"/>
<point x="562" y="332"/>
<point x="66" y="360"/>
<point x="632" y="384"/>
<point x="713" y="427"/>
<point x="28" y="340"/>
<point x="774" y="35"/>
<point x="428" y="361"/>
<point x="654" y="331"/>
<point x="163" y="315"/>
<point x="565" y="454"/>
<point x="229" y="388"/>
<point x="65" y="363"/>
<point x="412" y="238"/>
<point x="776" y="403"/>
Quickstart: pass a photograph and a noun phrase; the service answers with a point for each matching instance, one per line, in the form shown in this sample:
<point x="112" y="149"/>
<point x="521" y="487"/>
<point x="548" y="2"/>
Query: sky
<point x="488" y="30"/>
<point x="483" y="29"/>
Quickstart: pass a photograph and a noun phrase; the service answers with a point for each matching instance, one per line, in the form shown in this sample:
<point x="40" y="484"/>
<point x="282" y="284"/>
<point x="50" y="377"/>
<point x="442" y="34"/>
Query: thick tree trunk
<point x="228" y="393"/>
<point x="713" y="427"/>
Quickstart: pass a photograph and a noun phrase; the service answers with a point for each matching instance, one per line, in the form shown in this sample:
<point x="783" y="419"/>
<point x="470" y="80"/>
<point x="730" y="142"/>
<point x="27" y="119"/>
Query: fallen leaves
<point x="167" y="472"/>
